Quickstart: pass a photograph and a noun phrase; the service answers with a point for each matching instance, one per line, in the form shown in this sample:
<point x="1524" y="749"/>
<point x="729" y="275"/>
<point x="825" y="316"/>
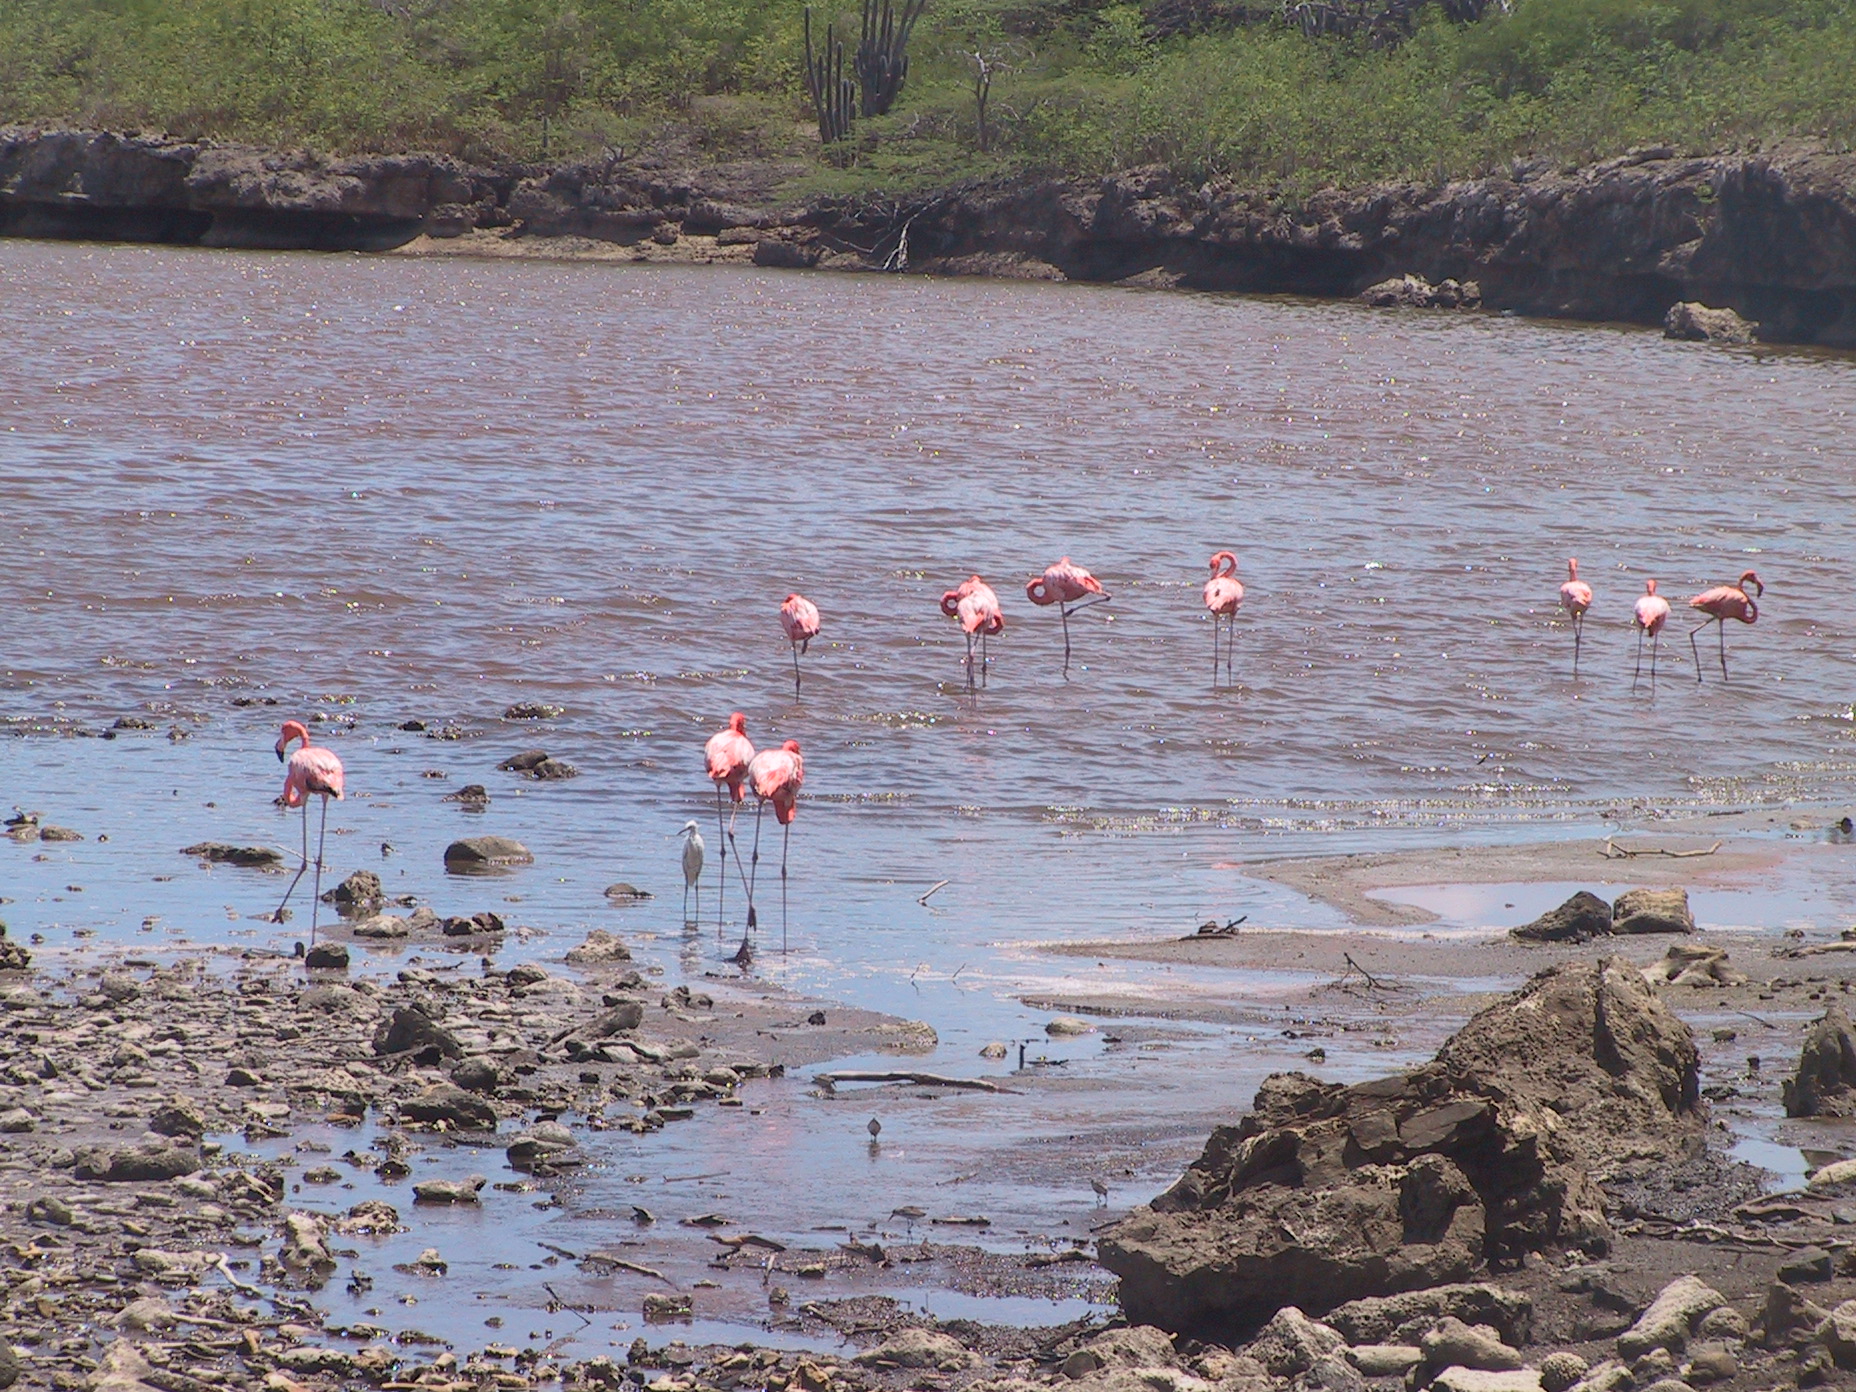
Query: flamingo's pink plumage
<point x="1224" y="593"/>
<point x="777" y="776"/>
<point x="728" y="754"/>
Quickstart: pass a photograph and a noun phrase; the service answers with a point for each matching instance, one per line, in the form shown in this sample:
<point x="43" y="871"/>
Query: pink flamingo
<point x="1575" y="599"/>
<point x="728" y="754"/>
<point x="1064" y="584"/>
<point x="974" y="603"/>
<point x="799" y="617"/>
<point x="1721" y="603"/>
<point x="1651" y="613"/>
<point x="777" y="776"/>
<point x="311" y="769"/>
<point x="1224" y="596"/>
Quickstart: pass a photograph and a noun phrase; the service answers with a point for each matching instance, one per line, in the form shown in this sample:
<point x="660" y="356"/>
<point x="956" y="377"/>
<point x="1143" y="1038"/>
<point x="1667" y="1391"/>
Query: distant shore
<point x="1769" y="236"/>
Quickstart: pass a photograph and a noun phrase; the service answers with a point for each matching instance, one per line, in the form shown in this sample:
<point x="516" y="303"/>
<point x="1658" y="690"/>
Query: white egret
<point x="693" y="849"/>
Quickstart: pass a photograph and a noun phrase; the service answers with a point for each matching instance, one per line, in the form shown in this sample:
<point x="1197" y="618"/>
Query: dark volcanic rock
<point x="412" y="1028"/>
<point x="221" y="854"/>
<point x="124" y="1164"/>
<point x="1825" y="1083"/>
<point x="13" y="956"/>
<point x="477" y="854"/>
<point x="361" y="890"/>
<point x="1326" y="1194"/>
<point x="1579" y="919"/>
<point x="1697" y="323"/>
<point x="449" y="1103"/>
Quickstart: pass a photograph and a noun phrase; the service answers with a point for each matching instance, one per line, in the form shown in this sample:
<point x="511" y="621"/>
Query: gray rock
<point x="1681" y="1305"/>
<point x="1405" y="1318"/>
<point x="1385" y="1360"/>
<point x="1579" y="919"/>
<point x="449" y="1103"/>
<point x="482" y="854"/>
<point x="16" y="1121"/>
<point x="532" y="710"/>
<point x="180" y="1117"/>
<point x="411" y="1029"/>
<point x="327" y="956"/>
<point x="1694" y="322"/>
<point x="361" y="890"/>
<point x="219" y="853"/>
<point x="1066" y="1026"/>
<point x="1292" y="1343"/>
<point x="127" y="1164"/>
<point x="1825" y="1083"/>
<point x="450" y="1191"/>
<point x="1710" y="1362"/>
<point x="523" y="762"/>
<point x="9" y="1364"/>
<point x="1806" y="1266"/>
<point x="1652" y="911"/>
<point x="382" y="928"/>
<point x="919" y="1348"/>
<point x="552" y="770"/>
<point x="1486" y="1380"/>
<point x="475" y="1075"/>
<point x="1454" y="1343"/>
<point x="1559" y="1371"/>
<point x="626" y="1015"/>
<point x="599" y="948"/>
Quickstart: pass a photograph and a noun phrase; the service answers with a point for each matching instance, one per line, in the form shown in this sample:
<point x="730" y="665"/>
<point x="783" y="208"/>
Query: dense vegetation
<point x="1078" y="86"/>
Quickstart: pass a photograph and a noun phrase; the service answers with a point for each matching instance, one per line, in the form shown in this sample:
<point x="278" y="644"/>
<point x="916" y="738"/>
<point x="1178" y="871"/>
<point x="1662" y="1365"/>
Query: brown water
<point x="378" y="490"/>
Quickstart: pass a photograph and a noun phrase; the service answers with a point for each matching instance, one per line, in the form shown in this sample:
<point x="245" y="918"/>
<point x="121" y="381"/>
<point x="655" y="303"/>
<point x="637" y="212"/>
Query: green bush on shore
<point x="1080" y="86"/>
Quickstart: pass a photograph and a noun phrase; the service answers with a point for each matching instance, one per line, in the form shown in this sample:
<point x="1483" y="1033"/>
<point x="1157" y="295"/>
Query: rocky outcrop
<point x="1769" y="238"/>
<point x="1586" y="916"/>
<point x="1697" y="323"/>
<point x="1825" y="1083"/>
<point x="1327" y="1194"/>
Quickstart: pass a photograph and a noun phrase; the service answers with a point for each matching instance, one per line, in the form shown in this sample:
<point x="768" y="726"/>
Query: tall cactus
<point x="834" y="94"/>
<point x="882" y="52"/>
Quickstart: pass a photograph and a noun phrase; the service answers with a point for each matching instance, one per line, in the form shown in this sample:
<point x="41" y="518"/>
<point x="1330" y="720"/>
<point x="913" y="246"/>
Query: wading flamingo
<point x="1575" y="599"/>
<point x="1651" y="613"/>
<point x="311" y="769"/>
<point x="776" y="775"/>
<point x="1721" y="603"/>
<point x="1224" y="596"/>
<point x="692" y="868"/>
<point x="728" y="754"/>
<point x="976" y="606"/>
<point x="799" y="617"/>
<point x="1063" y="584"/>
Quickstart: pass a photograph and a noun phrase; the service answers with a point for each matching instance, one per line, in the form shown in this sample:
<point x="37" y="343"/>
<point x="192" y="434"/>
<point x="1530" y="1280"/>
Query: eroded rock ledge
<point x="1325" y="1193"/>
<point x="1769" y="236"/>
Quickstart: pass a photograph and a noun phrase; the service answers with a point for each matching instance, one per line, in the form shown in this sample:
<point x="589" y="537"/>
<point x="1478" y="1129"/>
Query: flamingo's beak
<point x="280" y="753"/>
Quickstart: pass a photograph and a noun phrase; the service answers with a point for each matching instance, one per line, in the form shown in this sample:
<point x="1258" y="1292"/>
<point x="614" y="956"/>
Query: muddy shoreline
<point x="1770" y="235"/>
<point x="177" y="1193"/>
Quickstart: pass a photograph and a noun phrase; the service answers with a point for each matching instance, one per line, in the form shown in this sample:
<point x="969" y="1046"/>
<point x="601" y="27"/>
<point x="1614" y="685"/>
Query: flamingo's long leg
<point x="786" y="836"/>
<point x="1720" y="627"/>
<point x="753" y="871"/>
<point x="1578" y="630"/>
<point x="1639" y="670"/>
<point x="315" y="902"/>
<point x="795" y="671"/>
<point x="277" y="915"/>
<point x="721" y="869"/>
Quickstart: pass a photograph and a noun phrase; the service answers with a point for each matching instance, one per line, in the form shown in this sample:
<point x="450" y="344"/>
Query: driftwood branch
<point x="939" y="884"/>
<point x="609" y="1259"/>
<point x="860" y="1075"/>
<point x="1615" y="852"/>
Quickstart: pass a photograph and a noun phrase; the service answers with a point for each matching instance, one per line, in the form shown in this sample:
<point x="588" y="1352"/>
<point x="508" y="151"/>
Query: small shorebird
<point x="799" y="618"/>
<point x="975" y="604"/>
<point x="875" y="1128"/>
<point x="1224" y="596"/>
<point x="1065" y="584"/>
<point x="692" y="868"/>
<point x="1651" y="613"/>
<point x="727" y="755"/>
<point x="1575" y="599"/>
<point x="1101" y="1191"/>
<point x="1721" y="603"/>
<point x="311" y="769"/>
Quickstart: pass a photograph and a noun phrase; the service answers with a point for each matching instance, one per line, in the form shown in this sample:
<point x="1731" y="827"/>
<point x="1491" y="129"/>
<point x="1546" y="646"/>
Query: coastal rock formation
<point x="1696" y="323"/>
<point x="1825" y="1083"/>
<point x="1652" y="911"/>
<point x="1768" y="237"/>
<point x="1579" y="919"/>
<point x="1326" y="1194"/>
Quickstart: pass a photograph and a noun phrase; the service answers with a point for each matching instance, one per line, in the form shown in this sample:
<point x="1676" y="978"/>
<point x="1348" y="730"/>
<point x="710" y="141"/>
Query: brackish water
<point x="380" y="490"/>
